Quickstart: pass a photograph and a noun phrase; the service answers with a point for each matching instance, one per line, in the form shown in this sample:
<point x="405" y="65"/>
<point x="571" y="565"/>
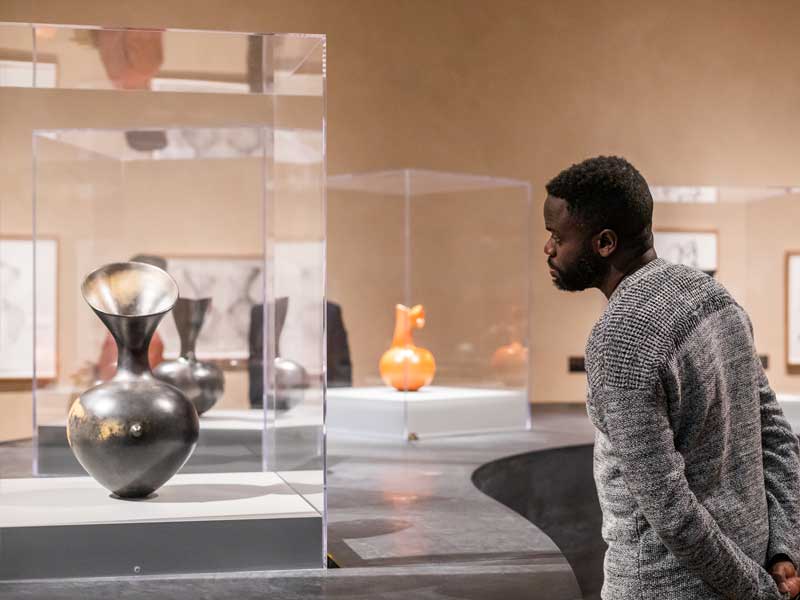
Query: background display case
<point x="202" y="153"/>
<point x="458" y="245"/>
<point x="747" y="238"/>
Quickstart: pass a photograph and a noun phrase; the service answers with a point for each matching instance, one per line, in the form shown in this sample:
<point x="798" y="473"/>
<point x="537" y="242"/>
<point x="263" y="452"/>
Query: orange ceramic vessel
<point x="404" y="366"/>
<point x="510" y="364"/>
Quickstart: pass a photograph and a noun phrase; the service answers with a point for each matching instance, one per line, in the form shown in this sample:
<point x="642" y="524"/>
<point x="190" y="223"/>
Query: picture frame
<point x="694" y="248"/>
<point x="23" y="355"/>
<point x="792" y="286"/>
<point x="234" y="284"/>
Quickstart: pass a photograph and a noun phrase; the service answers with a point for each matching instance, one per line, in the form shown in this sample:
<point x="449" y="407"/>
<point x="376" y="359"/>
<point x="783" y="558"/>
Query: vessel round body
<point x="407" y="368"/>
<point x="510" y="364"/>
<point x="291" y="381"/>
<point x="202" y="382"/>
<point x="132" y="434"/>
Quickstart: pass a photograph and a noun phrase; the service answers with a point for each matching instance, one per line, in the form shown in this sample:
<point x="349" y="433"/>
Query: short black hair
<point x="607" y="192"/>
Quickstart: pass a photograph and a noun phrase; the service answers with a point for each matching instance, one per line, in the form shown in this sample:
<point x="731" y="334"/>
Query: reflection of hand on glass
<point x="131" y="58"/>
<point x="245" y="141"/>
<point x="201" y="140"/>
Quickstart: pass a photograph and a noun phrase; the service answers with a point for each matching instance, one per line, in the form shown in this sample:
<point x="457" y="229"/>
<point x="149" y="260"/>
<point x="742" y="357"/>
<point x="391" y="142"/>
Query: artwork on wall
<point x="298" y="275"/>
<point x="696" y="249"/>
<point x="793" y="309"/>
<point x="17" y="308"/>
<point x="234" y="285"/>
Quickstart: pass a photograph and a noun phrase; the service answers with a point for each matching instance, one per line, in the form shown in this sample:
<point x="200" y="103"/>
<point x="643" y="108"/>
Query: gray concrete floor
<point x="405" y="521"/>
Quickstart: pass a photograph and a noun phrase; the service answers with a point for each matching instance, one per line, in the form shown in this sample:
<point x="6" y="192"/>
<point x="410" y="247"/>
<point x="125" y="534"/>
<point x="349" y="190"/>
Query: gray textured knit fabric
<point x="696" y="468"/>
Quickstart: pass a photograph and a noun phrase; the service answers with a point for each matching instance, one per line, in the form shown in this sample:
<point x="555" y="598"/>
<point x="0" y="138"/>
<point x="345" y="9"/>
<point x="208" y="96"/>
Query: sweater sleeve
<point x="781" y="457"/>
<point x="641" y="437"/>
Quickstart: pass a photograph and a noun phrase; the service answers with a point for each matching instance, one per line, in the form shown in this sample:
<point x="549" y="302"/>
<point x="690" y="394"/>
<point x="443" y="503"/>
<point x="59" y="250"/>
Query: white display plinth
<point x="71" y="526"/>
<point x="303" y="415"/>
<point x="790" y="404"/>
<point x="382" y="412"/>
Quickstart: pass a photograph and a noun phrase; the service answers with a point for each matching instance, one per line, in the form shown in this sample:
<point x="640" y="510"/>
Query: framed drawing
<point x="793" y="310"/>
<point x="698" y="249"/>
<point x="17" y="314"/>
<point x="234" y="285"/>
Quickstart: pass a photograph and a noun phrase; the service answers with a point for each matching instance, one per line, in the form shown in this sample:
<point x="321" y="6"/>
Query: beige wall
<point x="772" y="232"/>
<point x="691" y="92"/>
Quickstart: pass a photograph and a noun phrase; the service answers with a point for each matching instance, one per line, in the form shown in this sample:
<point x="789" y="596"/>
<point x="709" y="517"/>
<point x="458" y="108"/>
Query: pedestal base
<point x="381" y="412"/>
<point x="73" y="527"/>
<point x="790" y="404"/>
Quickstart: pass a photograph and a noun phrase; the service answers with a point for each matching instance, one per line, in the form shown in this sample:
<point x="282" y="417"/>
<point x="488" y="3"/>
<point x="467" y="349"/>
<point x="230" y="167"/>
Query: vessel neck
<point x="132" y="336"/>
<point x="189" y="315"/>
<point x="188" y="347"/>
<point x="402" y="328"/>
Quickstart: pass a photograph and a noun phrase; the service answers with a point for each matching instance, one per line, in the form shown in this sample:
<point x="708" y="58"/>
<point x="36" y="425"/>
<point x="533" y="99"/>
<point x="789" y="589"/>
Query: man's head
<point x="595" y="212"/>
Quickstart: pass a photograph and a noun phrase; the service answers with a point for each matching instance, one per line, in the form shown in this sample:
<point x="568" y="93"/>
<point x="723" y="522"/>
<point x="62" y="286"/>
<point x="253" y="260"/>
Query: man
<point x="696" y="468"/>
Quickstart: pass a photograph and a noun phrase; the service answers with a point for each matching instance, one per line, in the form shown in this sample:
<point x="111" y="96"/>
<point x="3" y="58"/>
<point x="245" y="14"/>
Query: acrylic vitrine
<point x="200" y="154"/>
<point x="430" y="274"/>
<point x="747" y="238"/>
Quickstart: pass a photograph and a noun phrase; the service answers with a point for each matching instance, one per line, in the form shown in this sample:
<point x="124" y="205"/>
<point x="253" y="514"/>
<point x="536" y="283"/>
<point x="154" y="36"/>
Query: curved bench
<point x="554" y="489"/>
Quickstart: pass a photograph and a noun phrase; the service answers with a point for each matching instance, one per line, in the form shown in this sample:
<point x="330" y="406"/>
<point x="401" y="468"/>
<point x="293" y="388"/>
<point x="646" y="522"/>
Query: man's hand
<point x="785" y="575"/>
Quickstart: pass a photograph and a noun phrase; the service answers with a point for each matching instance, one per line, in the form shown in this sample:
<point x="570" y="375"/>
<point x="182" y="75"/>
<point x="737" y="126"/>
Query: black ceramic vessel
<point x="202" y="382"/>
<point x="291" y="382"/>
<point x="133" y="432"/>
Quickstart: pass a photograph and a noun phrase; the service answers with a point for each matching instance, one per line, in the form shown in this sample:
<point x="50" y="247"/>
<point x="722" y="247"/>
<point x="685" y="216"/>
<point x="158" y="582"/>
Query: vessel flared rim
<point x="131" y="265"/>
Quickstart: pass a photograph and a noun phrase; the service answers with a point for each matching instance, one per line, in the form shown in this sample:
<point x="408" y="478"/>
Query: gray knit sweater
<point x="696" y="468"/>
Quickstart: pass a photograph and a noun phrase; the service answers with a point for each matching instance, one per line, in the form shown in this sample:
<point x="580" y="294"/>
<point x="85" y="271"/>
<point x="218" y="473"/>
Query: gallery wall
<point x="693" y="93"/>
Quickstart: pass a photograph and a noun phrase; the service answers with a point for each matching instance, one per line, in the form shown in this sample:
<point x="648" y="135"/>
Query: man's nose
<point x="548" y="247"/>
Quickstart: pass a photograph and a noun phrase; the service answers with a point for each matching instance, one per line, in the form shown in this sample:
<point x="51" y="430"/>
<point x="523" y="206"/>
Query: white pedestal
<point x="73" y="527"/>
<point x="790" y="404"/>
<point x="381" y="412"/>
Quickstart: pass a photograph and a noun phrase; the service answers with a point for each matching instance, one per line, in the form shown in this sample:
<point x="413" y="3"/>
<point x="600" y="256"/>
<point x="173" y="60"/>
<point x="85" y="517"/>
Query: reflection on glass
<point x="204" y="150"/>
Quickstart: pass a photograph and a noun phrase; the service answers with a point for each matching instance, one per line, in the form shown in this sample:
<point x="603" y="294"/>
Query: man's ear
<point x="605" y="243"/>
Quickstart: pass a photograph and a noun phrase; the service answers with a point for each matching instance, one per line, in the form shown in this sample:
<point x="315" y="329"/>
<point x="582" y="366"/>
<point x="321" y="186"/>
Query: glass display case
<point x="180" y="175"/>
<point x="747" y="238"/>
<point x="429" y="276"/>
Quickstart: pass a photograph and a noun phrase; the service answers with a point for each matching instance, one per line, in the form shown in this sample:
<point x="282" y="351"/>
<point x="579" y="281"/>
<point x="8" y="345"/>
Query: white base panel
<point x="73" y="527"/>
<point x="790" y="404"/>
<point x="381" y="412"/>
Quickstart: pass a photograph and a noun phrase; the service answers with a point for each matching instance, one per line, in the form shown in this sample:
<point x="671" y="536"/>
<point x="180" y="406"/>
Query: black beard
<point x="587" y="272"/>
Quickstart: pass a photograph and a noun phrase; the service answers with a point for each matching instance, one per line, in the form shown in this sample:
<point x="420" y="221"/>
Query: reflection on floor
<point x="405" y="520"/>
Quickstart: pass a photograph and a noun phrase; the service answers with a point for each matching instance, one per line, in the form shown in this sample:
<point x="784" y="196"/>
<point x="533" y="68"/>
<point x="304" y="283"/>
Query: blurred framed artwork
<point x="698" y="249"/>
<point x="22" y="313"/>
<point x="793" y="310"/>
<point x="234" y="284"/>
